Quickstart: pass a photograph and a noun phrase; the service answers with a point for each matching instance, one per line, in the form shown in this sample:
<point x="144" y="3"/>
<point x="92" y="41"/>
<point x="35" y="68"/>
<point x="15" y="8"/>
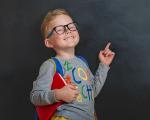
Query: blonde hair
<point x="49" y="17"/>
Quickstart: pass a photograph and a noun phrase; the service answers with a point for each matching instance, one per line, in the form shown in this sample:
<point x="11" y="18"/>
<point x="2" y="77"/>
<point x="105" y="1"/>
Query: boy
<point x="61" y="34"/>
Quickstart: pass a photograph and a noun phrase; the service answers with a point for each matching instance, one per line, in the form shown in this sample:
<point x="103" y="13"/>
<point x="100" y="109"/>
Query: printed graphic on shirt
<point x="79" y="98"/>
<point x="81" y="77"/>
<point x="67" y="66"/>
<point x="82" y="74"/>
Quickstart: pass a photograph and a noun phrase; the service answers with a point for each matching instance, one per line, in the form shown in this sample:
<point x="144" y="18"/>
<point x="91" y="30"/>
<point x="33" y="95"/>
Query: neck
<point x="66" y="54"/>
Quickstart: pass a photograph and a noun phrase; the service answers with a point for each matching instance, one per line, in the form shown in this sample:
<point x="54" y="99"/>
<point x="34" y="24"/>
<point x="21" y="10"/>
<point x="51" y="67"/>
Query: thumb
<point x="101" y="52"/>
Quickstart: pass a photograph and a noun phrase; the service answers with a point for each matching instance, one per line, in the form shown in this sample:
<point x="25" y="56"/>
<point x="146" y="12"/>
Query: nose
<point x="67" y="30"/>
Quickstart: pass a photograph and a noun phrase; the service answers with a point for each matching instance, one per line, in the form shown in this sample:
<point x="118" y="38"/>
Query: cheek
<point x="77" y="35"/>
<point x="57" y="37"/>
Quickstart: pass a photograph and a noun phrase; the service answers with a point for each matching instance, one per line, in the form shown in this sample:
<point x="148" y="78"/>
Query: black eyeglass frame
<point x="65" y="26"/>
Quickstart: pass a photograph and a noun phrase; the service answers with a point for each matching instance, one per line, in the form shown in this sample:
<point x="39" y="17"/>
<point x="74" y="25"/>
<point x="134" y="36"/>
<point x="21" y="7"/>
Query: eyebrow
<point x="65" y="24"/>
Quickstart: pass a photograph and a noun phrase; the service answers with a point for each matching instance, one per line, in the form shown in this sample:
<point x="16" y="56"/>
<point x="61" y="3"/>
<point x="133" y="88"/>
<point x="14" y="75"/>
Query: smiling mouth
<point x="68" y="37"/>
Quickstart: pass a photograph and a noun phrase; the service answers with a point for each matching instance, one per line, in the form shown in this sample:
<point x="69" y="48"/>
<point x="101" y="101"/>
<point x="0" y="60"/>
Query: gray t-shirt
<point x="79" y="73"/>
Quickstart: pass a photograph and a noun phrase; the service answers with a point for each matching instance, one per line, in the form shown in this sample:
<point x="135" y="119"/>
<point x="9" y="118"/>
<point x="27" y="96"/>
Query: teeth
<point x="68" y="38"/>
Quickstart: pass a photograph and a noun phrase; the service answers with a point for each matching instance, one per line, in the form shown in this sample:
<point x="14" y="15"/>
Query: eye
<point x="72" y="26"/>
<point x="59" y="29"/>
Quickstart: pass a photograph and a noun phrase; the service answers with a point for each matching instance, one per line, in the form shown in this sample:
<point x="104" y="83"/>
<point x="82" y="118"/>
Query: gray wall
<point x="125" y="23"/>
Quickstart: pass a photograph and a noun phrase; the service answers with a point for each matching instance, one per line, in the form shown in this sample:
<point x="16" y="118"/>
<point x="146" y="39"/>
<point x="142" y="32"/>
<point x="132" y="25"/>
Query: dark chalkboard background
<point x="125" y="23"/>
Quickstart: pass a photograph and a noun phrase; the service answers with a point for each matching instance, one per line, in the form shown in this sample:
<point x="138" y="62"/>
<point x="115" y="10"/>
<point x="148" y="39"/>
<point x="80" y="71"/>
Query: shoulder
<point x="83" y="60"/>
<point x="47" y="65"/>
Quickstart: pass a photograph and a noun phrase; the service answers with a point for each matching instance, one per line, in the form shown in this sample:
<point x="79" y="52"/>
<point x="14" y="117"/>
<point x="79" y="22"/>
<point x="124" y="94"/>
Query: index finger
<point x="73" y="86"/>
<point x="107" y="46"/>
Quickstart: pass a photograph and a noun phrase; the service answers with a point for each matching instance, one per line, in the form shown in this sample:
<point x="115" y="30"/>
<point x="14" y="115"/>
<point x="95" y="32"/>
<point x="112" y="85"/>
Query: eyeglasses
<point x="62" y="28"/>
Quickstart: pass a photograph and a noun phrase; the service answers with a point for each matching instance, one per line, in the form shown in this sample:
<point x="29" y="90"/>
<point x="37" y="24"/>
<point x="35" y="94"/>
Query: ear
<point x="48" y="43"/>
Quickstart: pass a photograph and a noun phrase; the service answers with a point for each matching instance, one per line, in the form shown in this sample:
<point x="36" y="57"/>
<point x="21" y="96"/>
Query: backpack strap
<point x="84" y="60"/>
<point x="59" y="68"/>
<point x="35" y="115"/>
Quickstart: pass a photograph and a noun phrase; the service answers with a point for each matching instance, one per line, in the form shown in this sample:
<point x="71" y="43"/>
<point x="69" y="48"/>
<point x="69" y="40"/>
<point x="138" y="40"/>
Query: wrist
<point x="57" y="95"/>
<point x="104" y="65"/>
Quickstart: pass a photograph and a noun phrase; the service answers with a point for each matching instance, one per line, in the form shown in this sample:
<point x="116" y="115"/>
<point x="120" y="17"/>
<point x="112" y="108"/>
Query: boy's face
<point x="64" y="33"/>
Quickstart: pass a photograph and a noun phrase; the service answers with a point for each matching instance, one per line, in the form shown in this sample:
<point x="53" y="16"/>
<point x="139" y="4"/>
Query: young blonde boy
<point x="61" y="34"/>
